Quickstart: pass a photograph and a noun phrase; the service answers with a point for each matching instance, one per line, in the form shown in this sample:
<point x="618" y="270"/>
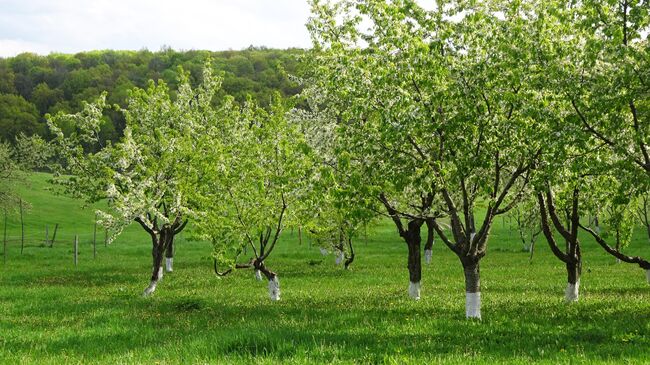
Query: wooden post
<point x="76" y="248"/>
<point x="22" y="228"/>
<point x="4" y="245"/>
<point x="47" y="234"/>
<point x="300" y="235"/>
<point x="56" y="228"/>
<point x="95" y="239"/>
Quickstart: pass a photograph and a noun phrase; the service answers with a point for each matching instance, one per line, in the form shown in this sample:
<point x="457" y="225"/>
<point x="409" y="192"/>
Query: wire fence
<point x="49" y="236"/>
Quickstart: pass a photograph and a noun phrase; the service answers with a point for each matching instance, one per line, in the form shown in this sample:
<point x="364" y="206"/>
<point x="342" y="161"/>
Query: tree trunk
<point x="413" y="241"/>
<point x="274" y="288"/>
<point x="169" y="256"/>
<point x="472" y="288"/>
<point x="350" y="258"/>
<point x="428" y="247"/>
<point x="160" y="242"/>
<point x="574" y="269"/>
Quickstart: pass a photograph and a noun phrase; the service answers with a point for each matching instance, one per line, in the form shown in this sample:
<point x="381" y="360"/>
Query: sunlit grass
<point x="53" y="312"/>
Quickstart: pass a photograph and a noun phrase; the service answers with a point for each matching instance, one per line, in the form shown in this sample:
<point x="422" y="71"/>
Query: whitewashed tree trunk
<point x="473" y="305"/>
<point x="258" y="275"/>
<point x="414" y="290"/>
<point x="274" y="288"/>
<point x="428" y="255"/>
<point x="572" y="292"/>
<point x="150" y="289"/>
<point x="153" y="284"/>
<point x="169" y="264"/>
<point x="323" y="252"/>
<point x="472" y="290"/>
<point x="340" y="257"/>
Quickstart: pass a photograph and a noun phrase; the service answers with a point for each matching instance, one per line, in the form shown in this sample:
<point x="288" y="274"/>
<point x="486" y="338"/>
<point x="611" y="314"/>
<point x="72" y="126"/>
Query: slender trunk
<point x="22" y="229"/>
<point x="413" y="241"/>
<point x="160" y="242"/>
<point x="428" y="247"/>
<point x="169" y="256"/>
<point x="274" y="282"/>
<point x="350" y="258"/>
<point x="472" y="288"/>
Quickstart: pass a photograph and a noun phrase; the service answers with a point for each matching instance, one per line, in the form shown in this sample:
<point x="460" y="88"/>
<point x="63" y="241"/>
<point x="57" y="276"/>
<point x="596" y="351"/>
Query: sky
<point x="70" y="26"/>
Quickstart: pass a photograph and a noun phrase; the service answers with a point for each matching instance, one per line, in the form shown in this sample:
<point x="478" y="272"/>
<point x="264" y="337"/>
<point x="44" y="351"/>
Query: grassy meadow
<point x="52" y="312"/>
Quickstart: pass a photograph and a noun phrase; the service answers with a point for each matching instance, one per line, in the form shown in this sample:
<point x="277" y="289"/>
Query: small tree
<point x="253" y="172"/>
<point x="338" y="211"/>
<point x="142" y="175"/>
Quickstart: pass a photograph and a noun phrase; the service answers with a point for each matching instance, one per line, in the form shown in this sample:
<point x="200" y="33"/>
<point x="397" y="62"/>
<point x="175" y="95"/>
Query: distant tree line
<point x="32" y="86"/>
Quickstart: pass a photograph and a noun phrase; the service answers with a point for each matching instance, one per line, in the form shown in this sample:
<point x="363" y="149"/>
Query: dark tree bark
<point x="572" y="256"/>
<point x="350" y="257"/>
<point x="267" y="241"/>
<point x="169" y="256"/>
<point x="412" y="236"/>
<point x="162" y="238"/>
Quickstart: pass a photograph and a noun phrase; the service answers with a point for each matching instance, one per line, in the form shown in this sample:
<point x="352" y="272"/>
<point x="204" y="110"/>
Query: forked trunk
<point x="472" y="289"/>
<point x="160" y="242"/>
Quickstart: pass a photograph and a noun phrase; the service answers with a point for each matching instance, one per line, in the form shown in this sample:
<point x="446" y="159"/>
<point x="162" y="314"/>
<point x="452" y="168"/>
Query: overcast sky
<point x="70" y="26"/>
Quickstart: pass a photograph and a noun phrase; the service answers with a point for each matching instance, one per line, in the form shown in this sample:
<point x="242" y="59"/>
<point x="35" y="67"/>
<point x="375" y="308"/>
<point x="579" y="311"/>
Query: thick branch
<point x="547" y="230"/>
<point x="644" y="264"/>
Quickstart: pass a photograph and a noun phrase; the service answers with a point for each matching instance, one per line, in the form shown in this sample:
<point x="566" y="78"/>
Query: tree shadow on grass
<point x="327" y="330"/>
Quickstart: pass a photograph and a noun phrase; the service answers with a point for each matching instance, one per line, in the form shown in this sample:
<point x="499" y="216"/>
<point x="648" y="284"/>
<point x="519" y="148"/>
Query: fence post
<point x="56" y="228"/>
<point x="95" y="238"/>
<point x="76" y="248"/>
<point x="47" y="234"/>
<point x="22" y="228"/>
<point x="4" y="245"/>
<point x="300" y="235"/>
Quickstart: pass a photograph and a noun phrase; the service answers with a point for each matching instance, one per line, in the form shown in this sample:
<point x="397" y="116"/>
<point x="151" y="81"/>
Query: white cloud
<point x="12" y="47"/>
<point x="70" y="26"/>
<point x="76" y="25"/>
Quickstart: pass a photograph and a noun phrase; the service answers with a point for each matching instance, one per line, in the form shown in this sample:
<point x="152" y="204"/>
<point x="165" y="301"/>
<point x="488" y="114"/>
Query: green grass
<point x="54" y="313"/>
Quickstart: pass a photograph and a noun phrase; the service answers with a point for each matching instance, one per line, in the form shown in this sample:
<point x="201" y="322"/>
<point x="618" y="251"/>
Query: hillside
<point x="32" y="85"/>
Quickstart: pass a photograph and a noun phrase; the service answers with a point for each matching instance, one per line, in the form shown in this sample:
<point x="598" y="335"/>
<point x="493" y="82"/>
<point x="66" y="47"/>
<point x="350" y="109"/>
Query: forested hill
<point x="33" y="85"/>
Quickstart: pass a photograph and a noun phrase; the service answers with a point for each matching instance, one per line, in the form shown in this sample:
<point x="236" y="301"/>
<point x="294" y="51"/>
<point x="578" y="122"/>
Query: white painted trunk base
<point x="647" y="275"/>
<point x="428" y="255"/>
<point x="160" y="273"/>
<point x="572" y="292"/>
<point x="169" y="264"/>
<point x="473" y="305"/>
<point x="324" y="252"/>
<point x="274" y="288"/>
<point x="150" y="289"/>
<point x="414" y="290"/>
<point x="340" y="257"/>
<point x="258" y="275"/>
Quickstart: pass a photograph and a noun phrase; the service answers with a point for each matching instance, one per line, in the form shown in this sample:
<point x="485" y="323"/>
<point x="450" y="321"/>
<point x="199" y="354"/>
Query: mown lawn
<point x="54" y="313"/>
